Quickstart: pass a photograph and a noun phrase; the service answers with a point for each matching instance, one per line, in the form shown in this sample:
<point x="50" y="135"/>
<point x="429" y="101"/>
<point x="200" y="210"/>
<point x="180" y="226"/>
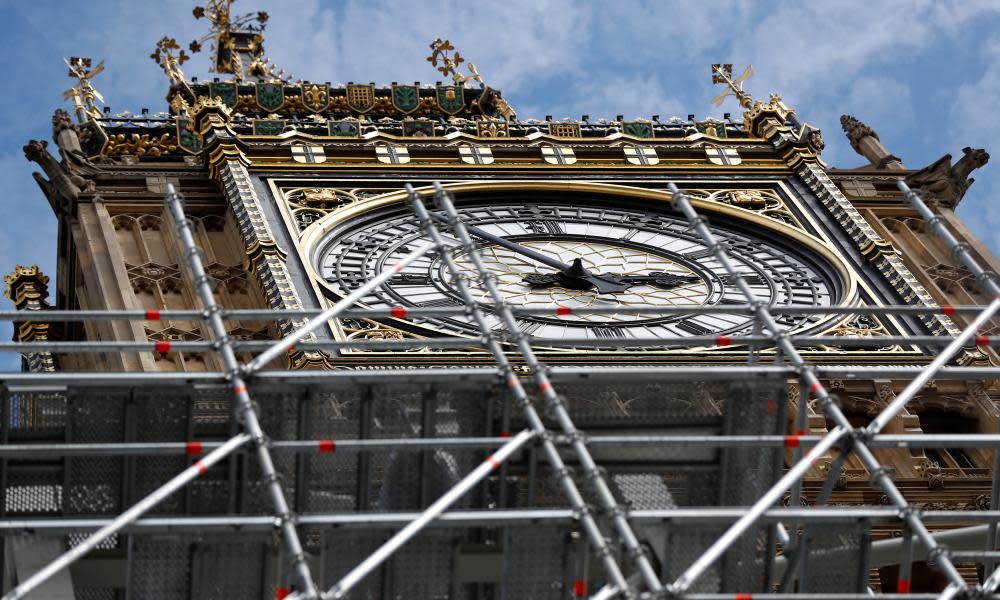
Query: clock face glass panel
<point x="662" y="261"/>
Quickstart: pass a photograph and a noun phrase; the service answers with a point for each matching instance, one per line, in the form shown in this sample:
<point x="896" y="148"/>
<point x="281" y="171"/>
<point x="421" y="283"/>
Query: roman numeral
<point x="410" y="279"/>
<point x="608" y="332"/>
<point x="439" y="303"/>
<point x="693" y="327"/>
<point x="699" y="254"/>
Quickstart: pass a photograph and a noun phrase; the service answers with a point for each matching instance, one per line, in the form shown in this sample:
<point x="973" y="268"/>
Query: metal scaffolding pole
<point x="987" y="282"/>
<point x="554" y="404"/>
<point x="192" y="448"/>
<point x="245" y="410"/>
<point x="492" y="462"/>
<point x="587" y="521"/>
<point x="445" y="311"/>
<point x="127" y="517"/>
<point x="843" y="427"/>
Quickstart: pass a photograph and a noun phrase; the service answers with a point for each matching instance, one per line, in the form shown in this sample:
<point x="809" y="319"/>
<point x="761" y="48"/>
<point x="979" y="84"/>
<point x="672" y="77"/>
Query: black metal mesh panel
<point x="227" y="567"/>
<point x="835" y="558"/>
<point x="394" y="475"/>
<point x="684" y="544"/>
<point x="751" y="408"/>
<point x="279" y="418"/>
<point x="642" y="404"/>
<point x="423" y="567"/>
<point x="160" y="416"/>
<point x="159" y="568"/>
<point x="34" y="487"/>
<point x="331" y="479"/>
<point x="211" y="413"/>
<point x="35" y="415"/>
<point x="98" y="593"/>
<point x="536" y="559"/>
<point x="95" y="481"/>
<point x="343" y="549"/>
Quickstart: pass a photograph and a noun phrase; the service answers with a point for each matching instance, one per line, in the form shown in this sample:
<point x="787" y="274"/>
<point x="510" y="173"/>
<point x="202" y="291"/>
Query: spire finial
<point x="83" y="93"/>
<point x="723" y="73"/>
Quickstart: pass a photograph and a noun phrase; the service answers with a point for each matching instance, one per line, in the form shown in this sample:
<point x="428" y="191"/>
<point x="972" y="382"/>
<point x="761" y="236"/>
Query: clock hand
<point x="574" y="274"/>
<point x="657" y="278"/>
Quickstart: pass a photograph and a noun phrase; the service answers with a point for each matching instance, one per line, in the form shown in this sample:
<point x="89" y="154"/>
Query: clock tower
<point x="765" y="299"/>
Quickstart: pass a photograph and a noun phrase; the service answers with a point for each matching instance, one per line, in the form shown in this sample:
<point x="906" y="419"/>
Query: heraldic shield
<point x="345" y="128"/>
<point x="315" y="96"/>
<point x="405" y="98"/>
<point x="270" y="96"/>
<point x="186" y="137"/>
<point x="634" y="155"/>
<point x="360" y="97"/>
<point x="225" y="91"/>
<point x="451" y="98"/>
<point x="305" y="153"/>
<point x="723" y="156"/>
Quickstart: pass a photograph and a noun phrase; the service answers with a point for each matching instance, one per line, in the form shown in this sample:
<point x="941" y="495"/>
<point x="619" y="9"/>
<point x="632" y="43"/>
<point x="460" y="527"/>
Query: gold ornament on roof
<point x="83" y="93"/>
<point x="447" y="60"/>
<point x="723" y="73"/>
<point x="441" y="51"/>
<point x="168" y="61"/>
<point x="237" y="43"/>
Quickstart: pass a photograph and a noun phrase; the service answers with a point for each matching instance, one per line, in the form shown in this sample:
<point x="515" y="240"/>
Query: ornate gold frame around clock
<point x="824" y="248"/>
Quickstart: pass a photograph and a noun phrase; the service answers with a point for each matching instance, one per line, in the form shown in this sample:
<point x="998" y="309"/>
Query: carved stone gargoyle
<point x="944" y="184"/>
<point x="65" y="179"/>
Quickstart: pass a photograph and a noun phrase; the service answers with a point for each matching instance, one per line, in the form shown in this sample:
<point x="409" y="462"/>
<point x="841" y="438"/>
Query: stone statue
<point x="865" y="142"/>
<point x="943" y="183"/>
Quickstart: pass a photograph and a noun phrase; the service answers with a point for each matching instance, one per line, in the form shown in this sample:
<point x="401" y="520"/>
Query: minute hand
<point x="605" y="284"/>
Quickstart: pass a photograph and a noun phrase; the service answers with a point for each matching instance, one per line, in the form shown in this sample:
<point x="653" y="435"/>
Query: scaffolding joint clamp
<point x="908" y="511"/>
<point x="937" y="552"/>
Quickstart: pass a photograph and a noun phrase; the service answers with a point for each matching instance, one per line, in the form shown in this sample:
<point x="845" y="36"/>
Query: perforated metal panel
<point x="835" y="557"/>
<point x="160" y="416"/>
<point x="535" y="563"/>
<point x="159" y="568"/>
<point x="423" y="568"/>
<point x="343" y="549"/>
<point x="95" y="482"/>
<point x="225" y="567"/>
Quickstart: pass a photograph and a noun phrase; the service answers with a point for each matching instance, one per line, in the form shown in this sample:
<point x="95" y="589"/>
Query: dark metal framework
<point x="342" y="457"/>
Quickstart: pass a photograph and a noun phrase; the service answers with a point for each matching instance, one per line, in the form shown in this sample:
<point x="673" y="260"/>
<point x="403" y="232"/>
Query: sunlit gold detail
<point x="84" y="94"/>
<point x="135" y="144"/>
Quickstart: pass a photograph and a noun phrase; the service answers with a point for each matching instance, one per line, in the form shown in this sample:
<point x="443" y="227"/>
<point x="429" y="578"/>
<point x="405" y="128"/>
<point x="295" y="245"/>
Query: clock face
<point x="653" y="252"/>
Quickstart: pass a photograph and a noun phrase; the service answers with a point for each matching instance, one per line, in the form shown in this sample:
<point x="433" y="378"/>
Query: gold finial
<point x="171" y="64"/>
<point x="237" y="42"/>
<point x="490" y="102"/>
<point x="441" y="50"/>
<point x="723" y="73"/>
<point x="83" y="93"/>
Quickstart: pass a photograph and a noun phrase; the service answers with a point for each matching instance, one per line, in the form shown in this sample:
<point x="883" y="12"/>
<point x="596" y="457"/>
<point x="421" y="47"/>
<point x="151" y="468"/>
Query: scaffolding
<point x="649" y="539"/>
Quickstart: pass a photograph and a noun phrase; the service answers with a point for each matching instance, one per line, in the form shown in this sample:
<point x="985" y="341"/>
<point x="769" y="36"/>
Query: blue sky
<point x="924" y="74"/>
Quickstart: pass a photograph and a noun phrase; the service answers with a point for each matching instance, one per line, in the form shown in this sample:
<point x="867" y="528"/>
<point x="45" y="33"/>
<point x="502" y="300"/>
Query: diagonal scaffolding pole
<point x="245" y="411"/>
<point x="843" y="430"/>
<point x="127" y="518"/>
<point x="556" y="406"/>
<point x="435" y="510"/>
<point x="987" y="282"/>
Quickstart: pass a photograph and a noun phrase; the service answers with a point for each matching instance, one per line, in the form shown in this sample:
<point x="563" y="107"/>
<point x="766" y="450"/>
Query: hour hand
<point x="660" y="279"/>
<point x="657" y="278"/>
